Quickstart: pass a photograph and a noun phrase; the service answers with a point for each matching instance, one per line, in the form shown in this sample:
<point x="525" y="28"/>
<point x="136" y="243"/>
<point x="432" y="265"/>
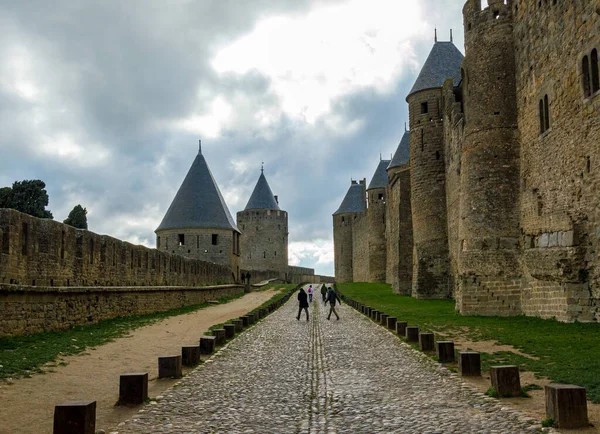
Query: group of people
<point x="328" y="295"/>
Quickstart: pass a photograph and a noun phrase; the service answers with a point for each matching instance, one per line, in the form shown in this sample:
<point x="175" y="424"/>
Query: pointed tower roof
<point x="443" y="62"/>
<point x="198" y="203"/>
<point x="402" y="154"/>
<point x="354" y="201"/>
<point x="380" y="178"/>
<point x="262" y="196"/>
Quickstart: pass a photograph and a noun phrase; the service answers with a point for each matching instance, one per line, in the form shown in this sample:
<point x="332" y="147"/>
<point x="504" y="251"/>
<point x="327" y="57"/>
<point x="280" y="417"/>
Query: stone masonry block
<point x="506" y="381"/>
<point x="220" y="336"/>
<point x="133" y="388"/>
<point x="445" y="351"/>
<point x="169" y="367"/>
<point x="207" y="344"/>
<point x="412" y="334"/>
<point x="566" y="404"/>
<point x="426" y="342"/>
<point x="229" y="330"/>
<point x="190" y="355"/>
<point x="469" y="364"/>
<point x="75" y="417"/>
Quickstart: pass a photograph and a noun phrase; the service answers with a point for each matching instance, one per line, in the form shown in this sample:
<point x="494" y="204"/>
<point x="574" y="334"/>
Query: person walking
<point x="324" y="292"/>
<point x="310" y="293"/>
<point x="302" y="303"/>
<point x="331" y="298"/>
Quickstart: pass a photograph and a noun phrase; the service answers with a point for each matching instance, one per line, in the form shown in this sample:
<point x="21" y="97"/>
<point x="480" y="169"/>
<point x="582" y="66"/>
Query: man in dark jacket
<point x="324" y="292"/>
<point x="303" y="303"/>
<point x="331" y="298"/>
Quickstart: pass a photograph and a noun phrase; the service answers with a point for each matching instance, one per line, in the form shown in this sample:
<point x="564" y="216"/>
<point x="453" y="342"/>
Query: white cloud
<point x="317" y="251"/>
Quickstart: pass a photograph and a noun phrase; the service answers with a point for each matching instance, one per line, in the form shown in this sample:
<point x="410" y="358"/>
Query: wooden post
<point x="190" y="355"/>
<point x="391" y="323"/>
<point x="75" y="417"/>
<point x="445" y="351"/>
<point x="245" y="321"/>
<point x="412" y="334"/>
<point x="239" y="325"/>
<point x="207" y="344"/>
<point x="426" y="342"/>
<point x="383" y="319"/>
<point x="220" y="336"/>
<point x="566" y="404"/>
<point x="133" y="388"/>
<point x="229" y="330"/>
<point x="469" y="364"/>
<point x="401" y="328"/>
<point x="374" y="313"/>
<point x="506" y="381"/>
<point x="169" y="367"/>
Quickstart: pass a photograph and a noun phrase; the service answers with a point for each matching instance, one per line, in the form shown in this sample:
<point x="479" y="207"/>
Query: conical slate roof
<point x="402" y="154"/>
<point x="443" y="62"/>
<point x="262" y="196"/>
<point x="198" y="203"/>
<point x="380" y="178"/>
<point x="354" y="201"/>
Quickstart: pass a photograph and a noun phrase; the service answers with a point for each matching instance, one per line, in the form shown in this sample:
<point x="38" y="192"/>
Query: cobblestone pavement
<point x="346" y="376"/>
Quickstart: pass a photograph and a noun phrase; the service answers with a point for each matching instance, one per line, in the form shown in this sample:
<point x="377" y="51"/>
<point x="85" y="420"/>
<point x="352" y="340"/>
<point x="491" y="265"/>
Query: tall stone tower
<point x="376" y="222"/>
<point x="343" y="221"/>
<point x="198" y="223"/>
<point x="490" y="186"/>
<point x="399" y="237"/>
<point x="431" y="277"/>
<point x="264" y="226"/>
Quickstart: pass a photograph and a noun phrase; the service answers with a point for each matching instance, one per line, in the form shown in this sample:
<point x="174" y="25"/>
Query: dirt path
<point x="27" y="405"/>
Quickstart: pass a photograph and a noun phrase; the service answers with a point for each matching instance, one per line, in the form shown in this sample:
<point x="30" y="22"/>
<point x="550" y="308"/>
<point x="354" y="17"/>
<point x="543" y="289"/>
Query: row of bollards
<point x="566" y="404"/>
<point x="79" y="417"/>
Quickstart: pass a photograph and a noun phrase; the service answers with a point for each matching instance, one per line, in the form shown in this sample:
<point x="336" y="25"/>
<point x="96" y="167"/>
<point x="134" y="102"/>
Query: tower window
<point x="264" y="254"/>
<point x="544" y="113"/>
<point x="595" y="78"/>
<point x="215" y="239"/>
<point x="181" y="239"/>
<point x="424" y="108"/>
<point x="380" y="196"/>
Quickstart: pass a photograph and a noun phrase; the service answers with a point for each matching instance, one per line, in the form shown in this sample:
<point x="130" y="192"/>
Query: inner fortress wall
<point x="376" y="234"/>
<point x="264" y="240"/>
<point x="342" y="244"/>
<point x="360" y="248"/>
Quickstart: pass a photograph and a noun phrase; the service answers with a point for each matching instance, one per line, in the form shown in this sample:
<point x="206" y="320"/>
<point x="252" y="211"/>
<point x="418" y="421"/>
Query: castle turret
<point x="264" y="227"/>
<point x="399" y="238"/>
<point x="376" y="196"/>
<point x="198" y="223"/>
<point x="490" y="169"/>
<point x="431" y="277"/>
<point x="343" y="223"/>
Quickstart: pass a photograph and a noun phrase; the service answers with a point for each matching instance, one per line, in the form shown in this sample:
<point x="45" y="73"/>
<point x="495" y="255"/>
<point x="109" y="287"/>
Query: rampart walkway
<point x="289" y="376"/>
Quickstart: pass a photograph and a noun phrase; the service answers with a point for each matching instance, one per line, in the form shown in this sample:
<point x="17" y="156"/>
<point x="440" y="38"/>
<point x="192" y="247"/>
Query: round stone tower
<point x="264" y="226"/>
<point x="198" y="223"/>
<point x="343" y="220"/>
<point x="490" y="168"/>
<point x="376" y="197"/>
<point x="431" y="276"/>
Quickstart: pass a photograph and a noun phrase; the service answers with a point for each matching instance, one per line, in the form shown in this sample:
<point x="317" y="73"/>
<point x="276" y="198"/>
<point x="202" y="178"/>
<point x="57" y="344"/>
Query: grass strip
<point x="564" y="352"/>
<point x="22" y="356"/>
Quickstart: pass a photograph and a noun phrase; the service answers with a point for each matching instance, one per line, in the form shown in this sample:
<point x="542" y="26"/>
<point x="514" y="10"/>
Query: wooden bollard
<point x="207" y="344"/>
<point x="566" y="405"/>
<point x="245" y="321"/>
<point x="190" y="355"/>
<point x="374" y="313"/>
<point x="426" y="342"/>
<point x="239" y="325"/>
<point x="133" y="388"/>
<point x="412" y="334"/>
<point x="169" y="367"/>
<point x="251" y="318"/>
<point x="383" y="319"/>
<point x="401" y="328"/>
<point x="368" y="311"/>
<point x="506" y="381"/>
<point x="220" y="336"/>
<point x="363" y="309"/>
<point x="391" y="323"/>
<point x="445" y="351"/>
<point x="229" y="330"/>
<point x="75" y="417"/>
<point x="469" y="364"/>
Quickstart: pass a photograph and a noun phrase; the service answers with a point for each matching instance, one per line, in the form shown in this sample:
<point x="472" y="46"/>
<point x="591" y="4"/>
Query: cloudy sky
<point x="105" y="101"/>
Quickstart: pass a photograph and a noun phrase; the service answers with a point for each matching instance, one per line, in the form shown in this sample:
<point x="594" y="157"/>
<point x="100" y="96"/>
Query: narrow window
<point x="166" y="243"/>
<point x="542" y="123"/>
<point x="380" y="196"/>
<point x="264" y="254"/>
<point x="424" y="108"/>
<point x="546" y="114"/>
<point x="585" y="66"/>
<point x="181" y="239"/>
<point x="595" y="78"/>
<point x="343" y="219"/>
<point x="215" y="238"/>
<point x="24" y="239"/>
<point x="197" y="241"/>
<point x="275" y="253"/>
<point x="437" y="155"/>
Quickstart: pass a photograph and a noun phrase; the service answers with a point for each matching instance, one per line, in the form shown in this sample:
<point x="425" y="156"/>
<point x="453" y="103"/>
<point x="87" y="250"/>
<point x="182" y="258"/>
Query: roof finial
<point x="380" y="159"/>
<point x="262" y="167"/>
<point x="200" y="146"/>
<point x="451" y="36"/>
<point x="435" y="34"/>
<point x="405" y="130"/>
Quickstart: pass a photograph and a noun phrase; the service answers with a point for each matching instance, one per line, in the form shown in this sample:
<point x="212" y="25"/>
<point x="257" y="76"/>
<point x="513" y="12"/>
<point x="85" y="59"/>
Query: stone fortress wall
<point x="504" y="180"/>
<point x="264" y="243"/>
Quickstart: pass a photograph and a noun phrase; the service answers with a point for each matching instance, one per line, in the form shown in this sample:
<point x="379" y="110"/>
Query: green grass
<point x="565" y="353"/>
<point x="21" y="356"/>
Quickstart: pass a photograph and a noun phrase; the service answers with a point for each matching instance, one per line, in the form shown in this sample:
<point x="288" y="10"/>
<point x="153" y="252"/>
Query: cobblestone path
<point x="320" y="376"/>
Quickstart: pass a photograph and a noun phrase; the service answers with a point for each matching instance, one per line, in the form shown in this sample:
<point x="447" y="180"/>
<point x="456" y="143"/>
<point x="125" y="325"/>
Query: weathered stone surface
<point x="401" y="328"/>
<point x="426" y="342"/>
<point x="190" y="355"/>
<point x="75" y="417"/>
<point x="220" y="336"/>
<point x="506" y="380"/>
<point x="566" y="404"/>
<point x="469" y="363"/>
<point x="133" y="388"/>
<point x="207" y="344"/>
<point x="229" y="330"/>
<point x="412" y="334"/>
<point x="169" y="367"/>
<point x="445" y="351"/>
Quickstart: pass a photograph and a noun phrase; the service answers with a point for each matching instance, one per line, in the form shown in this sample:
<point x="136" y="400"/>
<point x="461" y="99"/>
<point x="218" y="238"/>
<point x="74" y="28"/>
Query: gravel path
<point x="320" y="376"/>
